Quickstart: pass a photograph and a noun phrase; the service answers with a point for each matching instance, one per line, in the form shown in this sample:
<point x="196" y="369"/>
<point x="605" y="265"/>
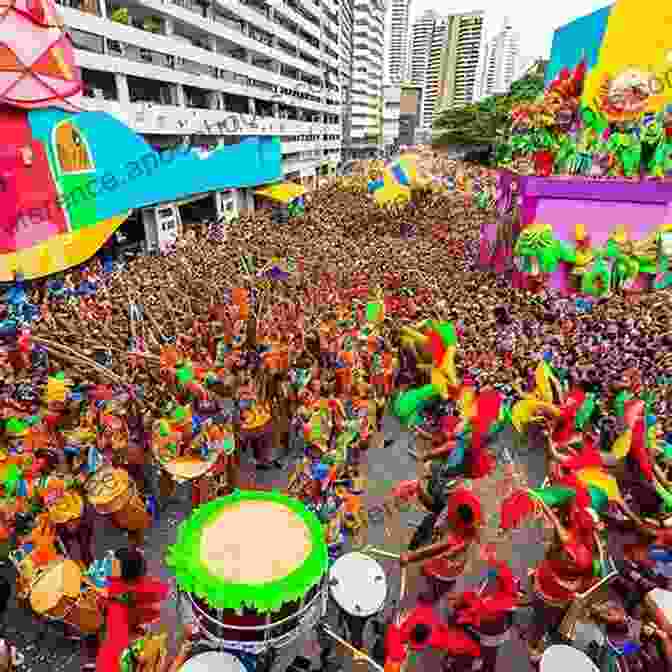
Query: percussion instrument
<point x="661" y="601"/>
<point x="213" y="661"/>
<point x="560" y="658"/>
<point x="252" y="566"/>
<point x="58" y="592"/>
<point x="203" y="452"/>
<point x="358" y="585"/>
<point x="112" y="492"/>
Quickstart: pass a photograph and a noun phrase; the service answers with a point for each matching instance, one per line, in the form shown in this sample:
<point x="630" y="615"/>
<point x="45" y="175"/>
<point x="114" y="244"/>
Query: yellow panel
<point x="59" y="252"/>
<point x="637" y="40"/>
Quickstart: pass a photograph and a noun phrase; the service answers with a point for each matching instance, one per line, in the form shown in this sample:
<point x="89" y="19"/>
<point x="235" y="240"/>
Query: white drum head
<point x="562" y="658"/>
<point x="358" y="584"/>
<point x="213" y="661"/>
<point x="663" y="600"/>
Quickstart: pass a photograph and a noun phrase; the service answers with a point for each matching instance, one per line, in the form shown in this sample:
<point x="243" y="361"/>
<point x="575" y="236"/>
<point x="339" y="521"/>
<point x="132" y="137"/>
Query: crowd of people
<point x="289" y="343"/>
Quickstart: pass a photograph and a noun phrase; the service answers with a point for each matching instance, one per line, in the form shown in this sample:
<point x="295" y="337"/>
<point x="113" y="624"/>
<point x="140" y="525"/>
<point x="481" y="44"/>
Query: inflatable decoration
<point x="69" y="178"/>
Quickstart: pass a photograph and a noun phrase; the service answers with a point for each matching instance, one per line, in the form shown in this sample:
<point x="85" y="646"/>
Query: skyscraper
<point x="397" y="34"/>
<point x="367" y="76"/>
<point x="499" y="62"/>
<point x="444" y="60"/>
<point x="460" y="58"/>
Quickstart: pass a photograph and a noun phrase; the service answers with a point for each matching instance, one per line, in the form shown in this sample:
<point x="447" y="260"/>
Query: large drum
<point x="112" y="493"/>
<point x="59" y="592"/>
<point x="358" y="585"/>
<point x="252" y="567"/>
<point x="561" y="658"/>
<point x="213" y="661"/>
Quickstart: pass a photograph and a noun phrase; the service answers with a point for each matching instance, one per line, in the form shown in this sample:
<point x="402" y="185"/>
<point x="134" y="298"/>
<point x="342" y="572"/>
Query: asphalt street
<point x="45" y="649"/>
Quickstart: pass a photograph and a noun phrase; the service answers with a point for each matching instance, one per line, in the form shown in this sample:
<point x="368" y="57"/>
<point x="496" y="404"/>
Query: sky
<point x="535" y="20"/>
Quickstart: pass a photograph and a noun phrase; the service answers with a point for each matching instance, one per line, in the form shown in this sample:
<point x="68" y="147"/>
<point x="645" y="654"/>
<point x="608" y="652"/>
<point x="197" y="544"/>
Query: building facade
<point x="459" y="60"/>
<point x="367" y="77"/>
<point x="390" y="117"/>
<point x="209" y="74"/>
<point x="397" y="47"/>
<point x="444" y="61"/>
<point x="499" y="63"/>
<point x="410" y="105"/>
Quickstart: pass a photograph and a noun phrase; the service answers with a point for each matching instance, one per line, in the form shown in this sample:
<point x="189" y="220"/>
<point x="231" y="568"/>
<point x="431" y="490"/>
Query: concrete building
<point x="210" y="73"/>
<point x="444" y="60"/>
<point x="463" y="39"/>
<point x="390" y="113"/>
<point x="499" y="63"/>
<point x="410" y="104"/>
<point x="397" y="41"/>
<point x="346" y="47"/>
<point x="531" y="66"/>
<point x="367" y="78"/>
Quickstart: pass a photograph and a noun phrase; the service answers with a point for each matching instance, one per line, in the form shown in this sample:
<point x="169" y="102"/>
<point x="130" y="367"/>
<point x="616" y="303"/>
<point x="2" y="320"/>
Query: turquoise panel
<point x="130" y="174"/>
<point x="576" y="40"/>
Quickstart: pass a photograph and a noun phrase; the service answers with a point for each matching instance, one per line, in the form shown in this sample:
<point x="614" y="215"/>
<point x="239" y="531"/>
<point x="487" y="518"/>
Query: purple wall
<point x="600" y="205"/>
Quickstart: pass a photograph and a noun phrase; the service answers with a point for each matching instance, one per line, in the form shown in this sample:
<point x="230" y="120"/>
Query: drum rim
<point x="183" y="558"/>
<point x="362" y="557"/>
<point x="214" y="655"/>
<point x="574" y="651"/>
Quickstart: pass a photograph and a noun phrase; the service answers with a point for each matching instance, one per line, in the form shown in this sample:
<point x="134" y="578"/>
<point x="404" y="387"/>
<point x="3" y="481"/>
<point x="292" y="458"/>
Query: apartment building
<point x="391" y="110"/>
<point x="346" y="46"/>
<point x="397" y="41"/>
<point x="444" y="57"/>
<point x="212" y="73"/>
<point x="460" y="59"/>
<point x="367" y="78"/>
<point x="499" y="63"/>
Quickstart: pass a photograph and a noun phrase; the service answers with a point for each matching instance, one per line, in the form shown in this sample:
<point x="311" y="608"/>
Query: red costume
<point x="448" y="638"/>
<point x="490" y="614"/>
<point x="129" y="606"/>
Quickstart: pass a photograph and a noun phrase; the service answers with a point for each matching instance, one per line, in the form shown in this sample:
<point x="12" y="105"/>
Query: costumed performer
<point x="133" y="601"/>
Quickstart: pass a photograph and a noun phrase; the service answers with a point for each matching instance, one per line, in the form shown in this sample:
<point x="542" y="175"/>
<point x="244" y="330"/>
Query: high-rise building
<point x="499" y="62"/>
<point x="464" y="35"/>
<point x="444" y="60"/>
<point x="397" y="38"/>
<point x="367" y="77"/>
<point x="346" y="47"/>
<point x="212" y="74"/>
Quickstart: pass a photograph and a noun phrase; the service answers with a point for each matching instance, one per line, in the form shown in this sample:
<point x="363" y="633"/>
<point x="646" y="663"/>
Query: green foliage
<point x="488" y="121"/>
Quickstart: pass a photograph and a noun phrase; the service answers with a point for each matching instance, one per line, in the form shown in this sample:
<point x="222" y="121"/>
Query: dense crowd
<point x="292" y="340"/>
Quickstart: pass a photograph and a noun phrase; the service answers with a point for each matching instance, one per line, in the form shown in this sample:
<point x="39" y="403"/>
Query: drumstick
<point x="356" y="652"/>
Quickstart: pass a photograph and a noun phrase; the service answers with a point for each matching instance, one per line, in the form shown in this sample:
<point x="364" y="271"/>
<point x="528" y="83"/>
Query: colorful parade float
<point x="70" y="178"/>
<point x="582" y="204"/>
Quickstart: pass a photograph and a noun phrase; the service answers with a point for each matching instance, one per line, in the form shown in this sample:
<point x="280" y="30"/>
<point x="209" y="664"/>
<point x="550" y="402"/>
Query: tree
<point x="486" y="122"/>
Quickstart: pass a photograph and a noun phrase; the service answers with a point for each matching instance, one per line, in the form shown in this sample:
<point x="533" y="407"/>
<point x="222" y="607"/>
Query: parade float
<point x="69" y="178"/>
<point x="582" y="204"/>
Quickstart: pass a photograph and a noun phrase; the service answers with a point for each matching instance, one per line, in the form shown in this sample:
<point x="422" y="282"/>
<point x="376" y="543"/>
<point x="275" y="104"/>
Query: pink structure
<point x="37" y="65"/>
<point x="643" y="209"/>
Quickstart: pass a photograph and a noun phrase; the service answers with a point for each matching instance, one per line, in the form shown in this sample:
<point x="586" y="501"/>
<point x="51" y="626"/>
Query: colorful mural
<point x="581" y="238"/>
<point x="69" y="178"/>
<point x="627" y="52"/>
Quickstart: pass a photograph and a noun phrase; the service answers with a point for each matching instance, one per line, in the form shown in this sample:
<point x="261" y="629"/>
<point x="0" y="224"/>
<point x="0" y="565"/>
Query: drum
<point x="213" y="661"/>
<point x="112" y="493"/>
<point x="252" y="567"/>
<point x="59" y="593"/>
<point x="660" y="601"/>
<point x="560" y="658"/>
<point x="358" y="585"/>
<point x="108" y="489"/>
